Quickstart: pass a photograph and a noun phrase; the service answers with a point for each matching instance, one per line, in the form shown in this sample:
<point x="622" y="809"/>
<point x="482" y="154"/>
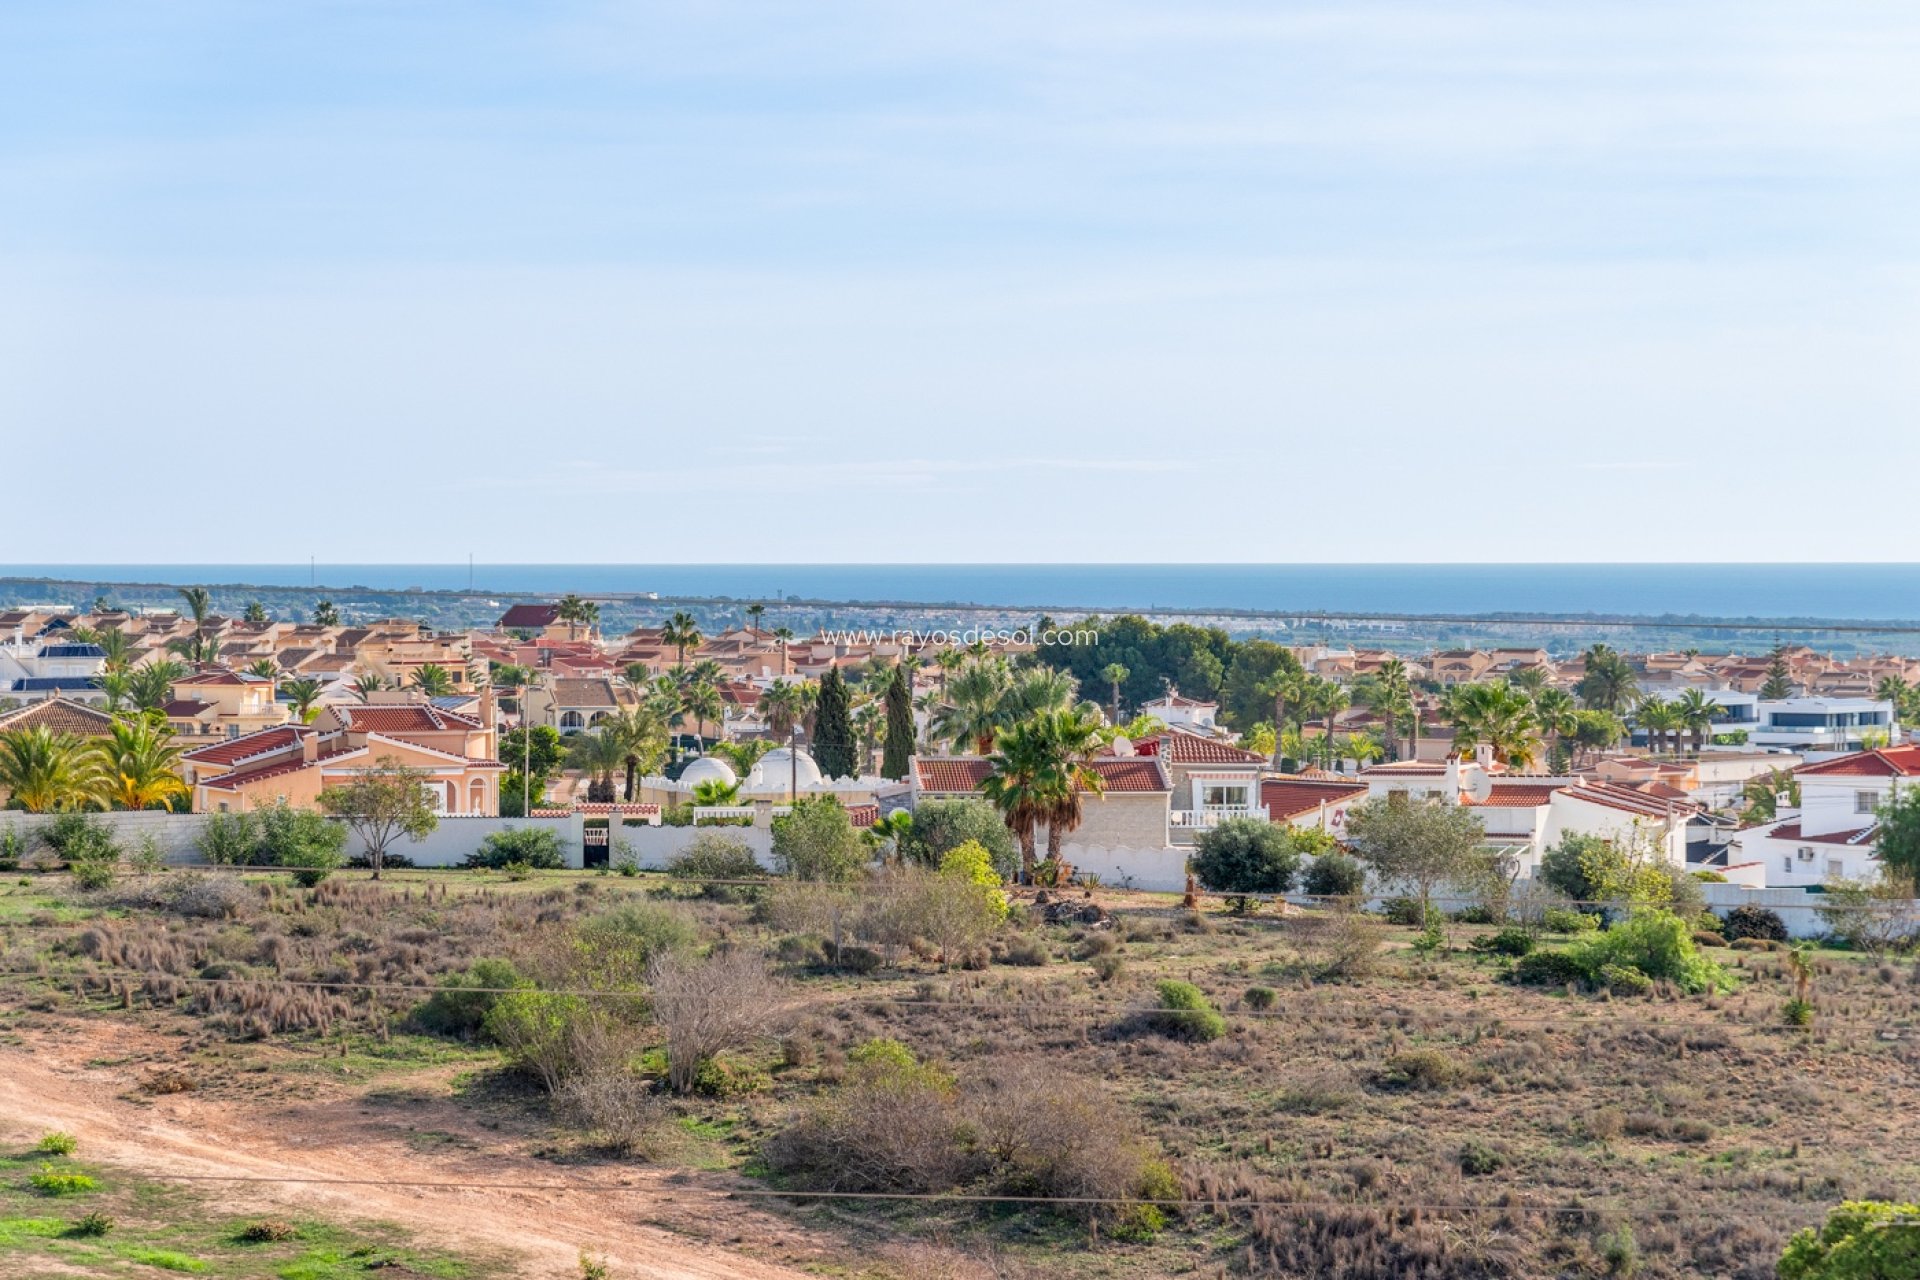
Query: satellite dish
<point x="1481" y="788"/>
<point x="1122" y="747"/>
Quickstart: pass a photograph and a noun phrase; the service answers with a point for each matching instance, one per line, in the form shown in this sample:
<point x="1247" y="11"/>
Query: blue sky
<point x="1001" y="281"/>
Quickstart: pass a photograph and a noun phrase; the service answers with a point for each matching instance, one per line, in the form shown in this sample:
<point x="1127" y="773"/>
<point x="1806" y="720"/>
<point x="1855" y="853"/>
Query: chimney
<point x="486" y="705"/>
<point x="309" y="747"/>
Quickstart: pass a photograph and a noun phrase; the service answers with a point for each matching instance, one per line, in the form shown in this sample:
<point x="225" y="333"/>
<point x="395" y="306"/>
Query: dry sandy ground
<point x="328" y="1134"/>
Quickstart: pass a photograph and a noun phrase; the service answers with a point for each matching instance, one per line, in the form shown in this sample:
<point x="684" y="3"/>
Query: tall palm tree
<point x="1283" y="686"/>
<point x="151" y="686"/>
<point x="784" y="636"/>
<point x="599" y="756"/>
<point x="572" y="611"/>
<point x="705" y="671"/>
<point x="1659" y="719"/>
<point x="948" y="661"/>
<point x="199" y="604"/>
<point x="118" y="688"/>
<point x="1391" y="698"/>
<point x="683" y="633"/>
<point x="47" y="772"/>
<point x="143" y="765"/>
<point x="1609" y="683"/>
<point x="1037" y="775"/>
<point x="667" y="702"/>
<point x="704" y="704"/>
<point x="973" y="712"/>
<point x="1528" y="680"/>
<point x="755" y="612"/>
<point x="1696" y="711"/>
<point x="302" y="693"/>
<point x="636" y="674"/>
<point x="1555" y="713"/>
<point x="642" y="736"/>
<point x="1323" y="699"/>
<point x="1115" y="675"/>
<point x="325" y="614"/>
<point x="870" y="726"/>
<point x="117" y="647"/>
<point x="781" y="706"/>
<point x="1497" y="715"/>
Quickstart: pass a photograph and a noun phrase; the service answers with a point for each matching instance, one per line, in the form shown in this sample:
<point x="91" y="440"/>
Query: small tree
<point x="1862" y="1240"/>
<point x="1898" y="841"/>
<point x="536" y="847"/>
<point x="942" y="825"/>
<point x="816" y="841"/>
<point x="1245" y="856"/>
<point x="1420" y="845"/>
<point x="706" y="1006"/>
<point x="900" y="726"/>
<point x="382" y="804"/>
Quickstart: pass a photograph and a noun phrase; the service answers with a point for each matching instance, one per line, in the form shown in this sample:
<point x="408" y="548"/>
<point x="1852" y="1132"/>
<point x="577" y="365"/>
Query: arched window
<point x="477" y="796"/>
<point x="598" y="716"/>
<point x="572" y="721"/>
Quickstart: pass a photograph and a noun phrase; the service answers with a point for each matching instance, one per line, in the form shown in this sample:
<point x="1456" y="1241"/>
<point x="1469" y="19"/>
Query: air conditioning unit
<point x="1806" y="855"/>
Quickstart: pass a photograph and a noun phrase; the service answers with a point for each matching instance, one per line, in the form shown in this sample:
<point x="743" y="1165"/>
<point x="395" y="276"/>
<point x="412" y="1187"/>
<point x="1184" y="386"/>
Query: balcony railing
<point x="1200" y="819"/>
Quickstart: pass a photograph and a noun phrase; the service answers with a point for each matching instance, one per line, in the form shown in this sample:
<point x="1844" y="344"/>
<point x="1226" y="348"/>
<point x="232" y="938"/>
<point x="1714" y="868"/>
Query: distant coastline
<point x="1703" y="595"/>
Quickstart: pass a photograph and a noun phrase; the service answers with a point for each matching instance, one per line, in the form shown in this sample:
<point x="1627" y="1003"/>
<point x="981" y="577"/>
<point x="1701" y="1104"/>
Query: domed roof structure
<point x="778" y="769"/>
<point x="708" y="769"/>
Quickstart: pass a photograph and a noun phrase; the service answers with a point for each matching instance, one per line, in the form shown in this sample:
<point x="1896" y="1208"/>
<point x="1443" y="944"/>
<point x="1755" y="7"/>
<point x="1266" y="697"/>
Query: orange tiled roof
<point x="59" y="715"/>
<point x="1887" y="762"/>
<point x="1289" y="797"/>
<point x="957" y="775"/>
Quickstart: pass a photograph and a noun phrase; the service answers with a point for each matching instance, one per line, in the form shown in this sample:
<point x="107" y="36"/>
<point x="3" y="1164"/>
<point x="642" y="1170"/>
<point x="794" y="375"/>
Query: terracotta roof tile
<point x="1887" y="762"/>
<point x="958" y="775"/>
<point x="59" y="715"/>
<point x="1289" y="797"/>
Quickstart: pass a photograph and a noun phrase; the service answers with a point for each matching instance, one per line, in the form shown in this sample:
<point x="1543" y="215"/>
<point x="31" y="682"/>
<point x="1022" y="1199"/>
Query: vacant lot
<point x="1413" y="1114"/>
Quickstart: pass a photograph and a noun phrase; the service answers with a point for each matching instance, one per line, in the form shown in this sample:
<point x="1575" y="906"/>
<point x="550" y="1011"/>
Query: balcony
<point x="1213" y="816"/>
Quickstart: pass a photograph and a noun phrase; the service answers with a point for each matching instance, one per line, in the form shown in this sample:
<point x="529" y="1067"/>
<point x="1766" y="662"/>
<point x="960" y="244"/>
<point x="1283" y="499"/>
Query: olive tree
<point x="1417" y="845"/>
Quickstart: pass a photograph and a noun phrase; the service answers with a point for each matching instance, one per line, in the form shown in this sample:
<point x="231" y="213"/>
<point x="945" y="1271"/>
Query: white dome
<point x="708" y="769"/>
<point x="775" y="773"/>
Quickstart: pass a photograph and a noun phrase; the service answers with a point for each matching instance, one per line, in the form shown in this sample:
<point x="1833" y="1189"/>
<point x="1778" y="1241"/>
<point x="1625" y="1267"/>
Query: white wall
<point x="1161" y="870"/>
<point x="174" y="833"/>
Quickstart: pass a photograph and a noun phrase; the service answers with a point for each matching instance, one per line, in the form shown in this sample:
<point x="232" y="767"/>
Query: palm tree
<point x="368" y="683"/>
<point x="715" y="794"/>
<point x="636" y="674"/>
<point x="118" y="649"/>
<point x="1037" y="774"/>
<point x="432" y="679"/>
<point x="755" y="612"/>
<point x="1528" y="680"/>
<point x="151" y="686"/>
<point x="683" y="633"/>
<point x="870" y="725"/>
<point x="143" y="765"/>
<point x="47" y="772"/>
<point x="666" y="702"/>
<point x="199" y="603"/>
<point x="1391" y="698"/>
<point x="781" y="706"/>
<point x="1282" y="686"/>
<point x="325" y="615"/>
<point x="1658" y="719"/>
<point x="1497" y="715"/>
<point x="302" y="694"/>
<point x="1696" y="712"/>
<point x="1324" y="699"/>
<point x="1609" y="683"/>
<point x="949" y="661"/>
<point x="705" y="671"/>
<point x="573" y="612"/>
<point x="972" y="713"/>
<point x="265" y="668"/>
<point x="703" y="702"/>
<point x="1554" y="712"/>
<point x="784" y="635"/>
<point x="642" y="736"/>
<point x="598" y="755"/>
<point x="256" y="613"/>
<point x="118" y="687"/>
<point x="1115" y="675"/>
<point x="1361" y="749"/>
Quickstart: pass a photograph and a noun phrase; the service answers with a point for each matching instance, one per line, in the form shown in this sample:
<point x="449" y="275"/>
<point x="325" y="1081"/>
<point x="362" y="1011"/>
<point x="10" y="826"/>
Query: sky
<point x="1004" y="281"/>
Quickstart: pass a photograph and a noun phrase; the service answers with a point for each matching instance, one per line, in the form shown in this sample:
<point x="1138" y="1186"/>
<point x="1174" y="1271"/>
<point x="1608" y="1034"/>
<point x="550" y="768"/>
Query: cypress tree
<point x="833" y="727"/>
<point x="900" y="731"/>
<point x="1779" y="683"/>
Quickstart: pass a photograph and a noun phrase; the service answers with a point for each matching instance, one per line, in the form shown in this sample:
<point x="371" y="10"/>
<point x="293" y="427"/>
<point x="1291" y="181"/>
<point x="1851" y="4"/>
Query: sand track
<point x="51" y="1086"/>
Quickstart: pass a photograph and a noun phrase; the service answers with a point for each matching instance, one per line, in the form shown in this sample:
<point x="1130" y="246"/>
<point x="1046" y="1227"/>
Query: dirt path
<point x="50" y="1086"/>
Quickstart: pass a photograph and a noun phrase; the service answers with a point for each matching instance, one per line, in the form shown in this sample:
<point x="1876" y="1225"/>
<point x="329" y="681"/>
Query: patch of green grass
<point x="363" y="1261"/>
<point x="165" y="1259"/>
<point x="15" y="1231"/>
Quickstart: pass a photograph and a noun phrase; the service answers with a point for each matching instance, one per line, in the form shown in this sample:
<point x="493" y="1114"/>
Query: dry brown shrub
<point x="1339" y="943"/>
<point x="621" y="1110"/>
<point x="707" y="1006"/>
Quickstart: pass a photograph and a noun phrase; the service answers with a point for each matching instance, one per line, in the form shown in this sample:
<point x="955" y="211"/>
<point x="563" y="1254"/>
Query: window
<point x="572" y="720"/>
<point x="1835" y="869"/>
<point x="1866" y="801"/>
<point x="1221" y="795"/>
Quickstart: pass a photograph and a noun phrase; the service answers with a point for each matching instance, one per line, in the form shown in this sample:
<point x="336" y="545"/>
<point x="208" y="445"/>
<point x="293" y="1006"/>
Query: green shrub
<point x="13" y="849"/>
<point x="1406" y="911"/>
<point x="940" y="825"/>
<point x="58" y="1144"/>
<point x="309" y="843"/>
<point x="1336" y="875"/>
<point x="1419" y="1070"/>
<point x="1243" y="857"/>
<point x="1477" y="1159"/>
<point x="1659" y="945"/>
<point x="1754" y="922"/>
<point x="717" y="855"/>
<point x="1548" y="969"/>
<point x="1507" y="942"/>
<point x="1861" y="1240"/>
<point x="536" y="847"/>
<point x="859" y="959"/>
<point x="801" y="949"/>
<point x="1029" y="951"/>
<point x="816" y="841"/>
<point x="267" y="1231"/>
<point x="1261" y="997"/>
<point x="1798" y="1012"/>
<point x="1561" y="920"/>
<point x="463" y="1014"/>
<point x="718" y="1077"/>
<point x="93" y="1224"/>
<point x="1624" y="980"/>
<point x="228" y="839"/>
<point x="51" y="1182"/>
<point x="1185" y="1013"/>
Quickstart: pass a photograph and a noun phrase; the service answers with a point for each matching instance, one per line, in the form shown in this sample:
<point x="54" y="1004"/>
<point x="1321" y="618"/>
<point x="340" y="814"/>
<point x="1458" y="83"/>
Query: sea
<point x="1825" y="592"/>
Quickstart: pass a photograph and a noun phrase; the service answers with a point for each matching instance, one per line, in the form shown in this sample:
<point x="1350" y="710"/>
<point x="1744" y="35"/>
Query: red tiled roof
<point x="1791" y="831"/>
<point x="246" y="777"/>
<point x="958" y="775"/>
<point x="863" y="815"/>
<point x="403" y="718"/>
<point x="1517" y="795"/>
<point x="1627" y="800"/>
<point x="1406" y="769"/>
<point x="531" y="617"/>
<point x="247" y="746"/>
<point x="59" y="715"/>
<point x="1191" y="748"/>
<point x="184" y="708"/>
<point x="1288" y="797"/>
<point x="1887" y="762"/>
